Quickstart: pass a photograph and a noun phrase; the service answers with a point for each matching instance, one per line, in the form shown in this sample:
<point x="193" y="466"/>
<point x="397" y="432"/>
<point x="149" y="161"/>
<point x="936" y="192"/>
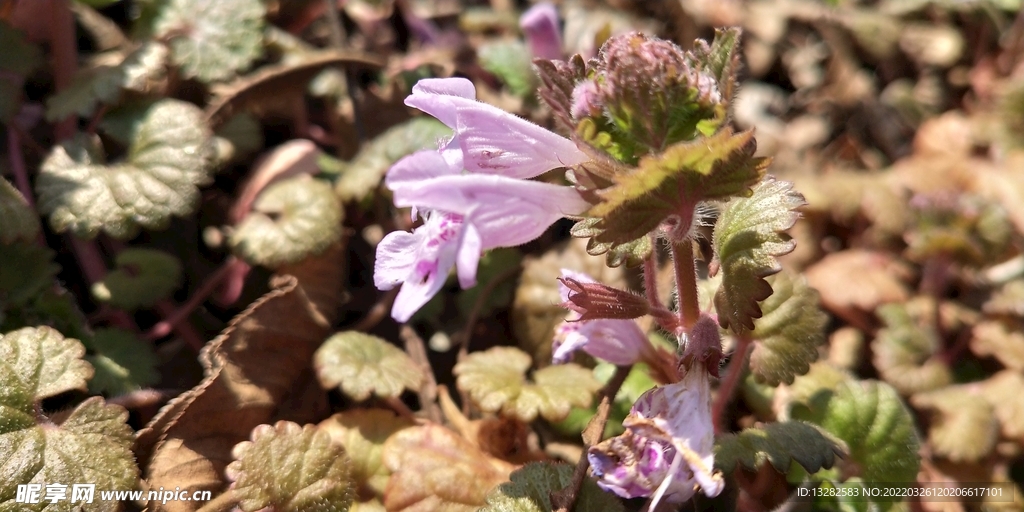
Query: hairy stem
<point x="565" y="499"/>
<point x="686" y="283"/>
<point x="651" y="279"/>
<point x="732" y="378"/>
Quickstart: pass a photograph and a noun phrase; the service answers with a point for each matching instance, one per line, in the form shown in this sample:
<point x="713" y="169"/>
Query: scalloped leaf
<point x="92" y="445"/>
<point x="37" y="363"/>
<point x="36" y="271"/>
<point x="20" y="221"/>
<point x="531" y="487"/>
<point x="212" y="41"/>
<point x="495" y="379"/>
<point x="630" y="253"/>
<point x="361" y="176"/>
<point x="432" y="468"/>
<point x="362" y="364"/>
<point x="363" y="432"/>
<point x="1002" y="391"/>
<point x="820" y="381"/>
<point x="141" y="279"/>
<point x="291" y="219"/>
<point x="715" y="167"/>
<point x="748" y="238"/>
<point x="994" y="338"/>
<point x="788" y="333"/>
<point x="123" y="362"/>
<point x="290" y="468"/>
<point x="781" y="444"/>
<point x="512" y="63"/>
<point x="168" y="157"/>
<point x="965" y="428"/>
<point x="876" y="426"/>
<point x="136" y="72"/>
<point x="905" y="352"/>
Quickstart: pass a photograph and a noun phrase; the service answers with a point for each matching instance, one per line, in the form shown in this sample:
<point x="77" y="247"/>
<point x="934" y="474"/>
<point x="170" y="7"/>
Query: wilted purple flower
<point x="492" y="205"/>
<point x="666" y="451"/>
<point x="619" y="342"/>
<point x="540" y="25"/>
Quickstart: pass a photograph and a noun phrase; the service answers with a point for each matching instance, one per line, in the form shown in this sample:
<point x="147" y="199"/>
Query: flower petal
<point x="427" y="278"/>
<point x="417" y="167"/>
<point x="396" y="258"/>
<point x="497" y="142"/>
<point x="506" y="212"/>
<point x="540" y="25"/>
<point x="438" y="97"/>
<point x="468" y="257"/>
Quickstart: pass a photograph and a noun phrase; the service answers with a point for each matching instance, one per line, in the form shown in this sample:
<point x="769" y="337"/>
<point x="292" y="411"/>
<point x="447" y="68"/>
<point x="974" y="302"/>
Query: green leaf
<point x="123" y="362"/>
<point x="362" y="175"/>
<point x="813" y="387"/>
<point x="748" y="237"/>
<point x="363" y="432"/>
<point x="37" y="363"/>
<point x="136" y="72"/>
<point x="142" y="278"/>
<point x="291" y="219"/>
<point x="495" y="379"/>
<point x="722" y="59"/>
<point x="531" y="486"/>
<point x="494" y="264"/>
<point x="18" y="59"/>
<point x="780" y="444"/>
<point x="290" y="468"/>
<point x="92" y="445"/>
<point x="212" y="41"/>
<point x="789" y="332"/>
<point x="876" y="426"/>
<point x="168" y="157"/>
<point x="20" y="220"/>
<point x="511" y="62"/>
<point x="362" y="365"/>
<point x="965" y="428"/>
<point x="906" y="352"/>
<point x="631" y="253"/>
<point x="36" y="271"/>
<point x="709" y="168"/>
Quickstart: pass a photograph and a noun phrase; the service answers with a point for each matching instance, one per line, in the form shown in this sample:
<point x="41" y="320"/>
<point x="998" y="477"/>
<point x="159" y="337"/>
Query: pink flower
<point x="620" y="342"/>
<point x="540" y="25"/>
<point x="473" y="193"/>
<point x="667" y="449"/>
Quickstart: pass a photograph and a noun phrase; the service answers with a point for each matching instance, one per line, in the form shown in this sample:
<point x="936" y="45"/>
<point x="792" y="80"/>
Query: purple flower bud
<point x="667" y="450"/>
<point x="540" y="25"/>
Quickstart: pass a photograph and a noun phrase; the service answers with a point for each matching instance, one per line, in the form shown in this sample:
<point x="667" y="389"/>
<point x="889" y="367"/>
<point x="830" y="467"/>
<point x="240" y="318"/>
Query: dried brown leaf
<point x="879" y="279"/>
<point x="251" y="368"/>
<point x="433" y="469"/>
<point x="994" y="338"/>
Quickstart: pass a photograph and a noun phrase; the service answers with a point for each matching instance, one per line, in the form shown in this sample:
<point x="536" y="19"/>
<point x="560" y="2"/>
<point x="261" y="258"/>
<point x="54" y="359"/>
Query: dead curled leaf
<point x="879" y="279"/>
<point x="432" y="468"/>
<point x="251" y="368"/>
